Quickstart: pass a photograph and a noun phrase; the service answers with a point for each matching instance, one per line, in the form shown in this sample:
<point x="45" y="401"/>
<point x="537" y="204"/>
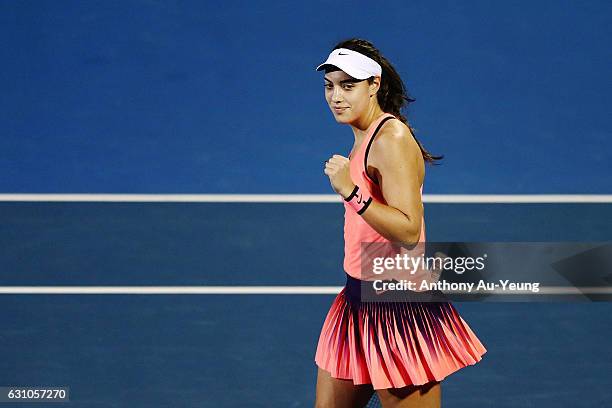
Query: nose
<point x="337" y="94"/>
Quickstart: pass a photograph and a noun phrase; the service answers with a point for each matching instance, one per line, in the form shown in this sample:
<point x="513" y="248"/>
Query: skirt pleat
<point x="395" y="344"/>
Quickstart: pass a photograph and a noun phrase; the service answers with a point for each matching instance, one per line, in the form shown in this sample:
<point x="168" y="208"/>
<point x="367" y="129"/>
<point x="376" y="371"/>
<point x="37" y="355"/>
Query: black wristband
<point x="365" y="205"/>
<point x="353" y="193"/>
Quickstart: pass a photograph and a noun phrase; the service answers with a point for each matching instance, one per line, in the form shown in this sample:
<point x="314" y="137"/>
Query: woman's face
<point x="347" y="97"/>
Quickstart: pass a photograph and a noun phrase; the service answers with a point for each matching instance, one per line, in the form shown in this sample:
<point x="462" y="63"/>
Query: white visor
<point x="353" y="63"/>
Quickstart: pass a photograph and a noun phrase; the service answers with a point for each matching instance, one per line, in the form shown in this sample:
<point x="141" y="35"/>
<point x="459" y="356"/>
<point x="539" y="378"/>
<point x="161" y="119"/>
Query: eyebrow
<point x="350" y="80"/>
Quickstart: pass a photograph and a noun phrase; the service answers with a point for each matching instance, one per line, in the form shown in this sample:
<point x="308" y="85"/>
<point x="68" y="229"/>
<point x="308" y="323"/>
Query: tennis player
<point x="400" y="350"/>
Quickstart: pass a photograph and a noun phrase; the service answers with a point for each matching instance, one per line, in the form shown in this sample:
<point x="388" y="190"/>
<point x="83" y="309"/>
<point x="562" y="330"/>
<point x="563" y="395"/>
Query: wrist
<point x="359" y="200"/>
<point x="346" y="193"/>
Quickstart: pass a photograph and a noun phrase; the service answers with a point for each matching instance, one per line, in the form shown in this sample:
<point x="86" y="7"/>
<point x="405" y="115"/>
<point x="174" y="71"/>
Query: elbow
<point x="411" y="230"/>
<point x="411" y="238"/>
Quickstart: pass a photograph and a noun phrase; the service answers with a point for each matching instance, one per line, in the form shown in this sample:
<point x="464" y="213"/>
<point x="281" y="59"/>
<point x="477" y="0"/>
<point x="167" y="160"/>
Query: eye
<point x="328" y="86"/>
<point x="348" y="86"/>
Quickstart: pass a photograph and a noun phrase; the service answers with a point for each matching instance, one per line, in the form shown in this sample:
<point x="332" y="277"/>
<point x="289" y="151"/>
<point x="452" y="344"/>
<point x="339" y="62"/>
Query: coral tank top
<point x="358" y="233"/>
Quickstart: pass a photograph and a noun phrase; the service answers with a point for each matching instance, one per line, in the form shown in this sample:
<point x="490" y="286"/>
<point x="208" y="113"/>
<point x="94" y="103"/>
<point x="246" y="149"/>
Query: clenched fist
<point x="337" y="169"/>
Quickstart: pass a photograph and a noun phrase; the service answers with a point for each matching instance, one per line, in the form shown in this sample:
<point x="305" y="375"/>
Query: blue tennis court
<point x="209" y="101"/>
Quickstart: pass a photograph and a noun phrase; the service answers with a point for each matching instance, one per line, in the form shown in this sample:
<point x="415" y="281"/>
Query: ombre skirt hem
<point x="394" y="344"/>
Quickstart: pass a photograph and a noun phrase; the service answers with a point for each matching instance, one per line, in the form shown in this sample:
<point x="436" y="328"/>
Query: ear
<point x="374" y="86"/>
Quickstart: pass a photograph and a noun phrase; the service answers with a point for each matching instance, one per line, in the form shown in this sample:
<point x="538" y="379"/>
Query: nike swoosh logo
<point x="359" y="199"/>
<point x="341" y="53"/>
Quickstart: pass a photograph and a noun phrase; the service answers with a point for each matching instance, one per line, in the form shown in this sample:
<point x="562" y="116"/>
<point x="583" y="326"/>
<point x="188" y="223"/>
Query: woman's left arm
<point x="400" y="171"/>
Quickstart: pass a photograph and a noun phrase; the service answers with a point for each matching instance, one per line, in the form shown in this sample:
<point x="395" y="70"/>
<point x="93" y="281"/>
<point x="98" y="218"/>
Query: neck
<point x="361" y="127"/>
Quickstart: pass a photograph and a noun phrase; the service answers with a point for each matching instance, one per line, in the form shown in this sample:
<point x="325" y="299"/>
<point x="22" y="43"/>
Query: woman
<point x="401" y="350"/>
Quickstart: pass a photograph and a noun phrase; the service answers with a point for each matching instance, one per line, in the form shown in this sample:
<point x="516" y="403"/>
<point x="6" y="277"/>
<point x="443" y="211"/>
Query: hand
<point x="337" y="169"/>
<point x="435" y="273"/>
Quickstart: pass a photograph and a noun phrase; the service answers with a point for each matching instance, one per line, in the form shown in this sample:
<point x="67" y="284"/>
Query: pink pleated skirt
<point x="394" y="344"/>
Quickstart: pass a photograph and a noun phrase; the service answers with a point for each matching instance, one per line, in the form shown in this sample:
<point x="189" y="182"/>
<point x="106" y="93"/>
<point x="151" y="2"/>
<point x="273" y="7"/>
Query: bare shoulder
<point x="394" y="145"/>
<point x="395" y="133"/>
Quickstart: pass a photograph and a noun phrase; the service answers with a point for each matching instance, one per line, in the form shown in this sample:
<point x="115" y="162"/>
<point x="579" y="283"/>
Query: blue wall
<point x="222" y="97"/>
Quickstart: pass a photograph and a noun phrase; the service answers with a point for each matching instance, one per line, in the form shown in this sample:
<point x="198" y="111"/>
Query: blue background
<point x="209" y="97"/>
<point x="222" y="97"/>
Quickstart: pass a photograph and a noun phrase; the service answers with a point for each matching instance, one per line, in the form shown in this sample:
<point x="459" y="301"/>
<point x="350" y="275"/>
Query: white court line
<point x="261" y="290"/>
<point x="178" y="290"/>
<point x="305" y="198"/>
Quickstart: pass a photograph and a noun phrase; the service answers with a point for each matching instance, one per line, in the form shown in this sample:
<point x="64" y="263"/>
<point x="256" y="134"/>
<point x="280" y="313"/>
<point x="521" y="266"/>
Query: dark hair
<point x="392" y="95"/>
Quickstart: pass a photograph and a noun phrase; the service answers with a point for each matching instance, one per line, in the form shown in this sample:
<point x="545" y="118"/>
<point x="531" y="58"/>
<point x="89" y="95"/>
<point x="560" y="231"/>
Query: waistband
<point x="358" y="291"/>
